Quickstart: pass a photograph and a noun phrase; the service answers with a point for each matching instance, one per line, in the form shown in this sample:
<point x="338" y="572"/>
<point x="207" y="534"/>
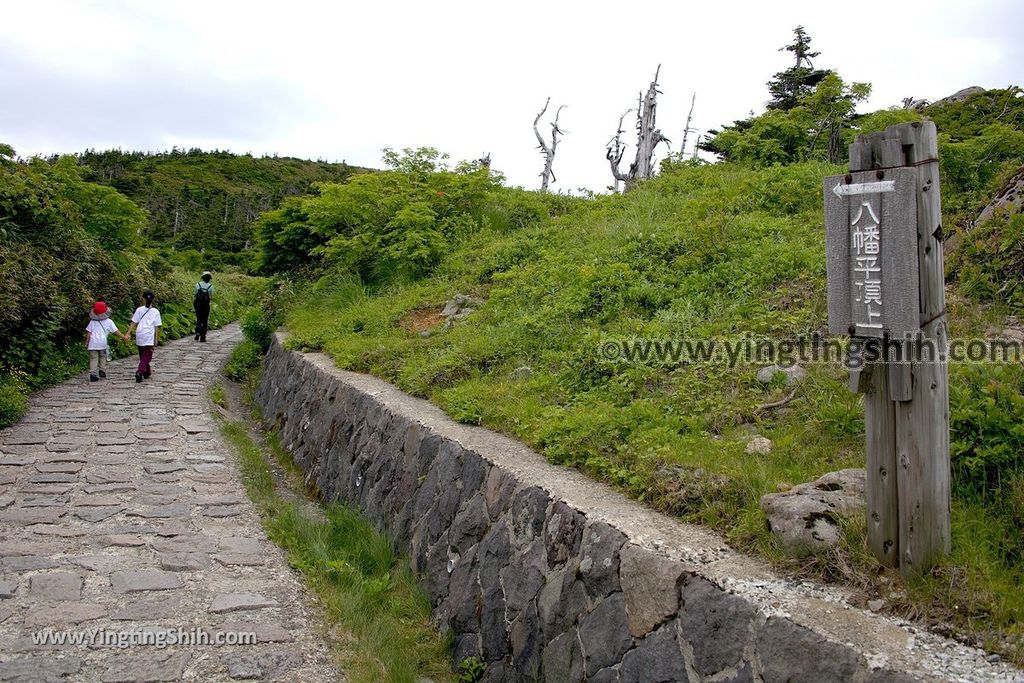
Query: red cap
<point x="99" y="308"/>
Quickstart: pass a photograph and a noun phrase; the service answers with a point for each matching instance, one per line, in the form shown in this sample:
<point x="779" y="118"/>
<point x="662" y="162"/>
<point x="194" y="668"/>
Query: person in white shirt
<point x="146" y="324"/>
<point x="96" y="332"/>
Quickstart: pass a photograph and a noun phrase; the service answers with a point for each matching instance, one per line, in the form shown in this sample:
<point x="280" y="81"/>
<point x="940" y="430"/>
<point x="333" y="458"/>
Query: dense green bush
<point x="257" y="328"/>
<point x="13" y="401"/>
<point x="988" y="263"/>
<point x="396" y="224"/>
<point x="986" y="424"/>
<point x="244" y="357"/>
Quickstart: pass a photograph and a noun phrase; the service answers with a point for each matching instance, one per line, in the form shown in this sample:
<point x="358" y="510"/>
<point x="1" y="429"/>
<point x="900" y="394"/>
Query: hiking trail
<point x="123" y="517"/>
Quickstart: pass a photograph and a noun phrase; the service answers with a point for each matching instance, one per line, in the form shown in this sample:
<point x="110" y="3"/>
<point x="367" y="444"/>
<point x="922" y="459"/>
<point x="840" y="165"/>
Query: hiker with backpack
<point x="201" y="304"/>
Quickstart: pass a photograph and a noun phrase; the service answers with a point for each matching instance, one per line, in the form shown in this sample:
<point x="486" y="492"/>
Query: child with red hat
<point x="96" y="332"/>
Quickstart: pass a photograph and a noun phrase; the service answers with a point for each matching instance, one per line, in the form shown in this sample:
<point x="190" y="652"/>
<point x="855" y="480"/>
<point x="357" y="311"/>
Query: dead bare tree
<point x="686" y="129"/>
<point x="548" y="150"/>
<point x="616" y="148"/>
<point x="647" y="138"/>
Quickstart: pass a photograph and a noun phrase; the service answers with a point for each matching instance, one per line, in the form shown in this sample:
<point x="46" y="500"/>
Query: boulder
<point x="794" y="374"/>
<point x="960" y="95"/>
<point x="457" y="308"/>
<point x="807" y="517"/>
<point x="521" y="373"/>
<point x="759" y="445"/>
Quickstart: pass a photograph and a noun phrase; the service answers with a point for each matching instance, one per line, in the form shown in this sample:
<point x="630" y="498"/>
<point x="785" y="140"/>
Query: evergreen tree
<point x="788" y="86"/>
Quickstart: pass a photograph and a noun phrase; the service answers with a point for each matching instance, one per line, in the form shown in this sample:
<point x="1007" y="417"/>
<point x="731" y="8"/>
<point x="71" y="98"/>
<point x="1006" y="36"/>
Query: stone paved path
<point x="121" y="513"/>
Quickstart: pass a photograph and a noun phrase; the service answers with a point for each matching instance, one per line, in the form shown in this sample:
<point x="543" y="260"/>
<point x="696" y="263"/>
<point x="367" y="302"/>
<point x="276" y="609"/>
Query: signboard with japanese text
<point x="871" y="252"/>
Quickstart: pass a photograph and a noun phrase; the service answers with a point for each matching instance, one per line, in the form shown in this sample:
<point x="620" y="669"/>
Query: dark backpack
<point x="202" y="297"/>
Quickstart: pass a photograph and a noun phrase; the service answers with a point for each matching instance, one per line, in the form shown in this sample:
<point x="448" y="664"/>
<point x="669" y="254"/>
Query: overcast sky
<point x="341" y="80"/>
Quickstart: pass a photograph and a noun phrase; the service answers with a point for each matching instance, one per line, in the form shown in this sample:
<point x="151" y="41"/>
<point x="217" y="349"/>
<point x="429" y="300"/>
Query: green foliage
<point x="395" y="224"/>
<point x="13" y="401"/>
<point x="988" y="263"/>
<point x="244" y="358"/>
<point x="702" y="251"/>
<point x="987" y="424"/>
<point x="218" y="395"/>
<point x="812" y="128"/>
<point x="471" y="670"/>
<point x="257" y="329"/>
<point x="969" y="117"/>
<point x="54" y="260"/>
<point x="113" y="219"/>
<point x="205" y="201"/>
<point x="973" y="168"/>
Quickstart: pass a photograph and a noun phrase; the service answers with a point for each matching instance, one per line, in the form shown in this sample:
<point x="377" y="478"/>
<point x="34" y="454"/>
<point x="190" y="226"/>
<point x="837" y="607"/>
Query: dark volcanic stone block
<point x="717" y="625"/>
<point x="563" y="533"/>
<point x="793" y="654"/>
<point x="599" y="564"/>
<point x="605" y="634"/>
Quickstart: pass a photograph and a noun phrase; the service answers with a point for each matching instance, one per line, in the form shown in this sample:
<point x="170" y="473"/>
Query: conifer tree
<point x="787" y="86"/>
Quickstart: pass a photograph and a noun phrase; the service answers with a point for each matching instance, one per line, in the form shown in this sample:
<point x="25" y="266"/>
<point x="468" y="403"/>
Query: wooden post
<point x="922" y="423"/>
<point x="906" y="393"/>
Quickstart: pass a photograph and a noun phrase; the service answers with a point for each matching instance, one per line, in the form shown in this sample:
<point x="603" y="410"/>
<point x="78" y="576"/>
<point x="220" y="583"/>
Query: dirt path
<point x="122" y="517"/>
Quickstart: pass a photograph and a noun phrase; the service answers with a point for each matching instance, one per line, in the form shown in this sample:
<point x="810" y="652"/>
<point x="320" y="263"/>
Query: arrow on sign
<point x="841" y="190"/>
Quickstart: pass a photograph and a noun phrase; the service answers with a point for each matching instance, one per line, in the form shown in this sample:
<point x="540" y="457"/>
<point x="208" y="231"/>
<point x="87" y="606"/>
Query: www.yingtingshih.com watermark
<point x="158" y="638"/>
<point x="852" y="353"/>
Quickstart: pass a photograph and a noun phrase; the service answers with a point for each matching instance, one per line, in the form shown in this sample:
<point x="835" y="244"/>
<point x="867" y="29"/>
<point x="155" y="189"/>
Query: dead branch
<point x="686" y="128"/>
<point x="776" y="404"/>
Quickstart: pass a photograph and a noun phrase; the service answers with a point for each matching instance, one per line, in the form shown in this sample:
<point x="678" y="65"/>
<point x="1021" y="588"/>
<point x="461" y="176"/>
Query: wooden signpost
<point x="885" y="290"/>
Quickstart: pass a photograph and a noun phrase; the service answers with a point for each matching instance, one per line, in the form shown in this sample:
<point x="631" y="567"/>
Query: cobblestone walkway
<point x="122" y="516"/>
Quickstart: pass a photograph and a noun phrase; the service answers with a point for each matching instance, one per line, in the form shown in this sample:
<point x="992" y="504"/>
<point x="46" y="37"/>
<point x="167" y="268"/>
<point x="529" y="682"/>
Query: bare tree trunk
<point x="648" y="138"/>
<point x="834" y="146"/>
<point x="687" y="129"/>
<point x="548" y="150"/>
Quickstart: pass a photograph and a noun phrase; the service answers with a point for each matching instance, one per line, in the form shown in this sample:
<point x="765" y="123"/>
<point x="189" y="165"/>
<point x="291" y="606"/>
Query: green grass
<point x="715" y="251"/>
<point x="364" y="588"/>
<point x="218" y="395"/>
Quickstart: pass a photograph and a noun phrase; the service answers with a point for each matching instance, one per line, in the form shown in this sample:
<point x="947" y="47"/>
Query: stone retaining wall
<point x="544" y="574"/>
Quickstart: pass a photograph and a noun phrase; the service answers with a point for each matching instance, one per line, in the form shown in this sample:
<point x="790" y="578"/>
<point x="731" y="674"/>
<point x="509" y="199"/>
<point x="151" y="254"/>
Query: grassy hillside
<point x="722" y="251"/>
<point x="206" y="201"/>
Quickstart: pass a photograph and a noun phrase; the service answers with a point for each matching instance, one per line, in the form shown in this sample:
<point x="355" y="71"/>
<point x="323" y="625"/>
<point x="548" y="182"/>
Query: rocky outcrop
<point x="544" y="574"/>
<point x="960" y="95"/>
<point x="1010" y="198"/>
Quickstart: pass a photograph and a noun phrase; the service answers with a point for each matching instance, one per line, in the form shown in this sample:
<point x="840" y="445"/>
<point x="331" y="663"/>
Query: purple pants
<point x="145" y="357"/>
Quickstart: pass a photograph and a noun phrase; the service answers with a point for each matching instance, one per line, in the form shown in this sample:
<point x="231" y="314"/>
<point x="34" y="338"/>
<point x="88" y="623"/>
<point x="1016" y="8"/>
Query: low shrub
<point x="13" y="400"/>
<point x="244" y="358"/>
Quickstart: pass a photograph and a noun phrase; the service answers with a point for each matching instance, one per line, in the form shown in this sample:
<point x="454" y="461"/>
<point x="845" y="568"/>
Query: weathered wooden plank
<point x="922" y="424"/>
<point x="882" y="494"/>
<point x="922" y="449"/>
<point x="837" y="257"/>
<point x="860" y="155"/>
<point x="852" y="210"/>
